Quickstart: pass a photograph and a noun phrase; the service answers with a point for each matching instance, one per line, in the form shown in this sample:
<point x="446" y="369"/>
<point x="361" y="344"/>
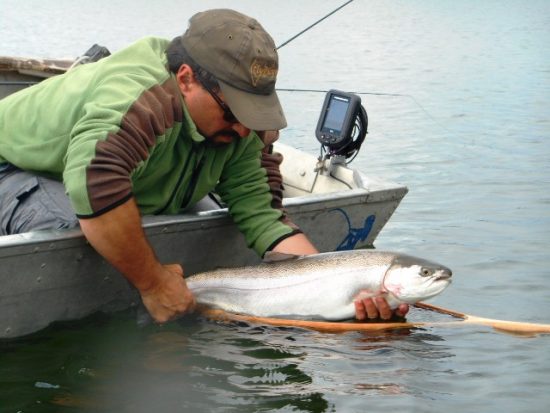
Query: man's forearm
<point x="118" y="236"/>
<point x="297" y="244"/>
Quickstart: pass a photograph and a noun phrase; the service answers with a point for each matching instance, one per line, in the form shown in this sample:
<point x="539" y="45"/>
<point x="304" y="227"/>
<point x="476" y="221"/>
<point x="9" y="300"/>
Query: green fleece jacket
<point x="119" y="128"/>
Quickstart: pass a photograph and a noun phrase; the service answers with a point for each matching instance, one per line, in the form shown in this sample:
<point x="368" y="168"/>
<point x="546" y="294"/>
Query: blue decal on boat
<point x="355" y="234"/>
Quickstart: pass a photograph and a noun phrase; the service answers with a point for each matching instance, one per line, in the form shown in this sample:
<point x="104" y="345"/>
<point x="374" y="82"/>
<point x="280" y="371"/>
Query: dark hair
<point x="177" y="56"/>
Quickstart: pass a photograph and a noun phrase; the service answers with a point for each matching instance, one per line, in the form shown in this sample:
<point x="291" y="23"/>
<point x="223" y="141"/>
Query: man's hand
<point x="377" y="308"/>
<point x="169" y="298"/>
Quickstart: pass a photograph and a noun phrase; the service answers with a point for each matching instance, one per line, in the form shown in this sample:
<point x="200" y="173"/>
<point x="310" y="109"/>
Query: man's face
<point x="206" y="112"/>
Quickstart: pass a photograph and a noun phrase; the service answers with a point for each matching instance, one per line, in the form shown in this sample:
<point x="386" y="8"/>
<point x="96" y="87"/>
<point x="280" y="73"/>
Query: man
<point x="151" y="130"/>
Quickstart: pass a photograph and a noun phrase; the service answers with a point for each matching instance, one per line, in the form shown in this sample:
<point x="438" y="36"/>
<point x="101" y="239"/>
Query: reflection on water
<point x="196" y="365"/>
<point x="107" y="364"/>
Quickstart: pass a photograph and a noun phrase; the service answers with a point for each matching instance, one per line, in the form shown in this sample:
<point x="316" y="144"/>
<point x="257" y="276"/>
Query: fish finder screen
<point x="336" y="114"/>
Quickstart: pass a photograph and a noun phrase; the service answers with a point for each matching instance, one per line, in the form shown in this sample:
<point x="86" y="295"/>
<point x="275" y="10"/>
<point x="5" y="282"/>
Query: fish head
<point x="410" y="279"/>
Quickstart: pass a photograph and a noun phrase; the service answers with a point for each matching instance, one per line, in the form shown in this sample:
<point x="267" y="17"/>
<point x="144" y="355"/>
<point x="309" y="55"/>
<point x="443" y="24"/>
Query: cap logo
<point x="263" y="70"/>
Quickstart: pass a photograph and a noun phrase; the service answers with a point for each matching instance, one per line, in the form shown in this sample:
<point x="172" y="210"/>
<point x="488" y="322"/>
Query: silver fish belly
<point x="321" y="286"/>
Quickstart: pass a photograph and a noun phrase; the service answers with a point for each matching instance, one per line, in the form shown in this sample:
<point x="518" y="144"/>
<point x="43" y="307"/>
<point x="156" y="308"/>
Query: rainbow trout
<point x="321" y="286"/>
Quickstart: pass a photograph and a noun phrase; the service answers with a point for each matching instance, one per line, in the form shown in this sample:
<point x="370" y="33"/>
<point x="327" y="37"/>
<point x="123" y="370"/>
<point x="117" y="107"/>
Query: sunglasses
<point x="228" y="116"/>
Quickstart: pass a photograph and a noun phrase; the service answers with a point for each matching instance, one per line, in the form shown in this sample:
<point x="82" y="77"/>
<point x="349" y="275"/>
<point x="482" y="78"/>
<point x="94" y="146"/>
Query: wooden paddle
<point x="513" y="327"/>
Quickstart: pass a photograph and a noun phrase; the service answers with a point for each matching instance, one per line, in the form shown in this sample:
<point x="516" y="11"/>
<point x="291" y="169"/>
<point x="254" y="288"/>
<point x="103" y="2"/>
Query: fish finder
<point x="342" y="125"/>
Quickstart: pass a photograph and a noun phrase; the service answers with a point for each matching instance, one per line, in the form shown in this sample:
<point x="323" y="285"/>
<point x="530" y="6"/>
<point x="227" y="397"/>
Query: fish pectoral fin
<point x="361" y="295"/>
<point x="272" y="256"/>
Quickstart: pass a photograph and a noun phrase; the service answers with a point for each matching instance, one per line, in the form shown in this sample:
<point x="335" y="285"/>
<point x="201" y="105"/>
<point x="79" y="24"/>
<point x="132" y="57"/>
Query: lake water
<point x="469" y="136"/>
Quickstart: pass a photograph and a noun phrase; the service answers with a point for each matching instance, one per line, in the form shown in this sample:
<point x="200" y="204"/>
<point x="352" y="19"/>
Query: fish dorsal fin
<point x="272" y="256"/>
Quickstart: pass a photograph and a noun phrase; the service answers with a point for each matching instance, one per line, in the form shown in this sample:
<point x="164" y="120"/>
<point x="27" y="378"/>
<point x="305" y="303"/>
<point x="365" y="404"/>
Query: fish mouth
<point x="444" y="276"/>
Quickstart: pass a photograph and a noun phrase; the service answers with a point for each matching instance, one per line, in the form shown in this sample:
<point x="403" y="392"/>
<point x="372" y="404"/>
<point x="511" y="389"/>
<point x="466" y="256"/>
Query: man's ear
<point x="185" y="78"/>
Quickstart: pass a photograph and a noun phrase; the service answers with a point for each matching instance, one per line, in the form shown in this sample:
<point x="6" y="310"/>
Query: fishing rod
<point x="314" y="24"/>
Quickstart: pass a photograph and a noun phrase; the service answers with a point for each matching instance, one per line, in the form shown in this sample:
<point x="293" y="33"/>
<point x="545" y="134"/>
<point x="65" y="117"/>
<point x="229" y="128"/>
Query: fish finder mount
<point x="342" y="126"/>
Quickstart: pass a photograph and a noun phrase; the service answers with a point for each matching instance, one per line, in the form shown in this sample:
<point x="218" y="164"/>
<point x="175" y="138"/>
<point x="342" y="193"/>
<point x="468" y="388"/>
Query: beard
<point x="222" y="137"/>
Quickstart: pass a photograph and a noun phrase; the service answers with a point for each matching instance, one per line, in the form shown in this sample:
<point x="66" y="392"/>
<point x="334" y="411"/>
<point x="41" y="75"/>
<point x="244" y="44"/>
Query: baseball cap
<point x="242" y="56"/>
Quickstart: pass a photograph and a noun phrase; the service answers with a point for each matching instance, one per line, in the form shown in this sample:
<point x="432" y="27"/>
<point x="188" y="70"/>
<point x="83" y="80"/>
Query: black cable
<point x="340" y="180"/>
<point x="358" y="134"/>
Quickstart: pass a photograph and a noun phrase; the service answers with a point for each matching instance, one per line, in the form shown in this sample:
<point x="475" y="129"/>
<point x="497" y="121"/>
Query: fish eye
<point x="425" y="272"/>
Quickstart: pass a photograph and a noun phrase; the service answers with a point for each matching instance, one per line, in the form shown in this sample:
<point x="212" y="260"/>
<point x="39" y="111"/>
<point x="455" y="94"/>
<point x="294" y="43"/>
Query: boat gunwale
<point x="172" y="223"/>
<point x="40" y="67"/>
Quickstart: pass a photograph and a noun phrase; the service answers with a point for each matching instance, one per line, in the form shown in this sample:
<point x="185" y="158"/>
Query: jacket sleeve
<point x="124" y="109"/>
<point x="271" y="162"/>
<point x="244" y="187"/>
<point x="113" y="137"/>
